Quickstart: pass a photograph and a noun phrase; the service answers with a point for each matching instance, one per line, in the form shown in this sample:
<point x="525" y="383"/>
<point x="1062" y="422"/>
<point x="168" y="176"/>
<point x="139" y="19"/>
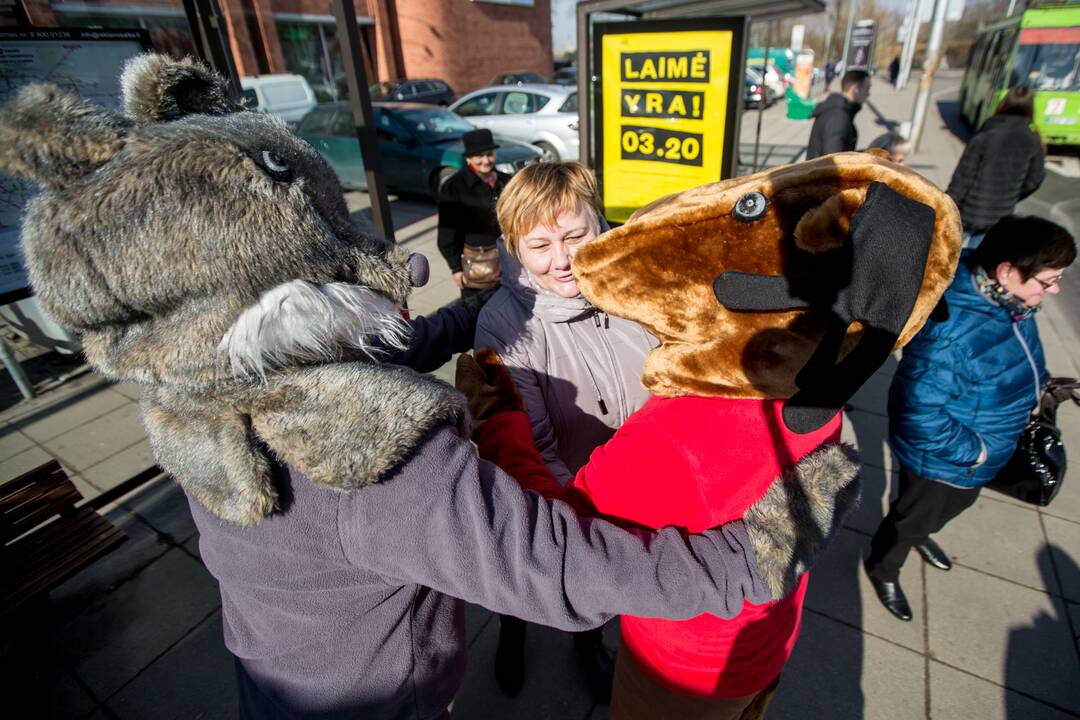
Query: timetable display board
<point x="667" y="108"/>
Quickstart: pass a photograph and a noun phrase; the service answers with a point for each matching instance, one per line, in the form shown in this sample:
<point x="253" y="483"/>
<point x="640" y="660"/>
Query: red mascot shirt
<point x="695" y="463"/>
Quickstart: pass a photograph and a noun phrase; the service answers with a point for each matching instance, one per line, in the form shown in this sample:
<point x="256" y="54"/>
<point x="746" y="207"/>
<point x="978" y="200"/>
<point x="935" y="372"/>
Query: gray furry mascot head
<point x="207" y="254"/>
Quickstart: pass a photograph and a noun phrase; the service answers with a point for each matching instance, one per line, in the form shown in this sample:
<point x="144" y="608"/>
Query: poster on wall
<point x="861" y="51"/>
<point x="86" y="62"/>
<point x="667" y="108"/>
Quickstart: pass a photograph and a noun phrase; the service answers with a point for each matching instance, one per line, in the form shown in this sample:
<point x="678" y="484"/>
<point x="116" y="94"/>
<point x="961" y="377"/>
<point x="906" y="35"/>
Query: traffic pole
<point x="933" y="59"/>
<point x="907" y="56"/>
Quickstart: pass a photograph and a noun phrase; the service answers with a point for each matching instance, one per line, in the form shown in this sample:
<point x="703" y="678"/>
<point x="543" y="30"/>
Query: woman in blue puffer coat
<point x="964" y="390"/>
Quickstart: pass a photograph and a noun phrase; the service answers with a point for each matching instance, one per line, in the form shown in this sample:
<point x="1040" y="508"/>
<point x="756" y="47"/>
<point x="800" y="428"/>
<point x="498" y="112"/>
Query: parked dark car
<point x="430" y="91"/>
<point x="518" y="77"/>
<point x="565" y="76"/>
<point x="420" y="145"/>
<point x="755" y="91"/>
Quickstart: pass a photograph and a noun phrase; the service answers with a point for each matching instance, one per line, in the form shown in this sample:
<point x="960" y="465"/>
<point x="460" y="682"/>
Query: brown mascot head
<point x="794" y="283"/>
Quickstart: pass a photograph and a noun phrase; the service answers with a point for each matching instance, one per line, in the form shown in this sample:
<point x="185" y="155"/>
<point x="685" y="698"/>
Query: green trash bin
<point x="797" y="107"/>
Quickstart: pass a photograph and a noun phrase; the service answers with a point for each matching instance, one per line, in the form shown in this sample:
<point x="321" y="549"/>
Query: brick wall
<point x="466" y="43"/>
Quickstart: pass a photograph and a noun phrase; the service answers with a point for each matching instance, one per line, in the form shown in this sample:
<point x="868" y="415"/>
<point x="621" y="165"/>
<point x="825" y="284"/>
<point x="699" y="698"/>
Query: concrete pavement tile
<point x="141" y="548"/>
<point x="1065" y="546"/>
<point x="874" y="503"/>
<point x="869" y="433"/>
<point x="1004" y="633"/>
<point x="117" y="468"/>
<point x="194" y="679"/>
<point x="1000" y="539"/>
<point x="71" y="391"/>
<point x="1067" y="503"/>
<point x="954" y="694"/>
<point x="124" y="631"/>
<point x="83" y="486"/>
<point x="67" y="414"/>
<point x="840" y="590"/>
<point x="12" y="442"/>
<point x="24" y="462"/>
<point x="163" y="505"/>
<point x="838" y="672"/>
<point x="476" y="619"/>
<point x="129" y="390"/>
<point x="873" y="396"/>
<point x="554" y="687"/>
<point x="95" y="441"/>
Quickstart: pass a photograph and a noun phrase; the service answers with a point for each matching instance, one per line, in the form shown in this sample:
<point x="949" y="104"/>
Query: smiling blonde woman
<point x="578" y="369"/>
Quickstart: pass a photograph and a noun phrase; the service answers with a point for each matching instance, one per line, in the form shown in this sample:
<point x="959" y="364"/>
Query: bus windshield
<point x="1048" y="59"/>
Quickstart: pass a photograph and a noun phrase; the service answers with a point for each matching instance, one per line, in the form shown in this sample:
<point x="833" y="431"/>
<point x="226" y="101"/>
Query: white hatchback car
<point x="545" y="116"/>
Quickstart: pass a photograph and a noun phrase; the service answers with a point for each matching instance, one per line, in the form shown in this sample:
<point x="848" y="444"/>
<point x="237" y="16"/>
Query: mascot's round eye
<point x="275" y="165"/>
<point x="750" y="206"/>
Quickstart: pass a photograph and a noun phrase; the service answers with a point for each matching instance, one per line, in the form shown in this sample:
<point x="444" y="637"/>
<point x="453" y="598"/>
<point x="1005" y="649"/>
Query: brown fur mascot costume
<point x="774" y="297"/>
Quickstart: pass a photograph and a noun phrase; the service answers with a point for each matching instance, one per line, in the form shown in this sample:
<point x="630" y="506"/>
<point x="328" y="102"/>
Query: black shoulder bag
<point x="1037" y="468"/>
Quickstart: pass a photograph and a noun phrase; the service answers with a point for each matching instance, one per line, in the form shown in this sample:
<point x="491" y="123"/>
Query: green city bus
<point x="1039" y="48"/>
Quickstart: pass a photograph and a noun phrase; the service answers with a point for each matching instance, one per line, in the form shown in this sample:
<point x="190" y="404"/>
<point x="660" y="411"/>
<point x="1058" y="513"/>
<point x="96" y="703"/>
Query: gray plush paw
<point x="798" y="515"/>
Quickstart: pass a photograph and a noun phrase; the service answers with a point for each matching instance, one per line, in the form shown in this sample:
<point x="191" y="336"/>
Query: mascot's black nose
<point x="419" y="270"/>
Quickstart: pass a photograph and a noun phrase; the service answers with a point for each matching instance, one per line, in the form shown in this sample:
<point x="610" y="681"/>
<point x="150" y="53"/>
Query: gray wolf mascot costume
<point x="206" y="253"/>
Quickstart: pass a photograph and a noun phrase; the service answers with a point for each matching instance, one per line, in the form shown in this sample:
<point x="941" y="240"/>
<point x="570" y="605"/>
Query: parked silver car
<point x="542" y="115"/>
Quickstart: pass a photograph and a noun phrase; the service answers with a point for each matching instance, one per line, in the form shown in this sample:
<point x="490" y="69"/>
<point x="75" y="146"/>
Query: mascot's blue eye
<point x="750" y="206"/>
<point x="275" y="166"/>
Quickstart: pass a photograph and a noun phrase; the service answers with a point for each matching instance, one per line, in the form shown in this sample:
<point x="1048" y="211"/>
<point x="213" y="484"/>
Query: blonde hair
<point x="539" y="193"/>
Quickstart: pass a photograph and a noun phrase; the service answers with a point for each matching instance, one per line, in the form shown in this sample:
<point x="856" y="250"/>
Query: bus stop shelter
<point x="591" y="11"/>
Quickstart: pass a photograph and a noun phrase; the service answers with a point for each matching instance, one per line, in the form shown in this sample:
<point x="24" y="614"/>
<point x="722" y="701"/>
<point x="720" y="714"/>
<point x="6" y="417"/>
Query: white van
<point x="289" y="97"/>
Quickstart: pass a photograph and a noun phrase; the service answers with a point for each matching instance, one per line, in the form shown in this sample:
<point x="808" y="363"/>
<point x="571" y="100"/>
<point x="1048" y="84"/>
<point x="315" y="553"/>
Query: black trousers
<point x="922" y="508"/>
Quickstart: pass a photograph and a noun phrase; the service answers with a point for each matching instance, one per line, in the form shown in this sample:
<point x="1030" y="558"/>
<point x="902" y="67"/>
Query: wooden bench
<point x="44" y="537"/>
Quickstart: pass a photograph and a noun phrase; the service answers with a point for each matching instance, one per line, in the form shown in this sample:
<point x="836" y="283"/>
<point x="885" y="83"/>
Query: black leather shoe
<point x="892" y="597"/>
<point x="510" y="656"/>
<point x="934" y="555"/>
<point x="596" y="664"/>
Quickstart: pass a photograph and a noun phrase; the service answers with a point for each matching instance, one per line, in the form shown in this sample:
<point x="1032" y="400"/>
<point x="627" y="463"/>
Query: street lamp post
<point x="933" y="59"/>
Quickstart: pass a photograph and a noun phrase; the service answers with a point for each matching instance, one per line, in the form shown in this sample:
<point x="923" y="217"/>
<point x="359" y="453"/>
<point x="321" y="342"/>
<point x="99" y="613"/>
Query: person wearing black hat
<point x="467" y="225"/>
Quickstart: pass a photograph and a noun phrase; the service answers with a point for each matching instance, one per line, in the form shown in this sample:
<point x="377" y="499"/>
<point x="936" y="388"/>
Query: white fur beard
<point x="302" y="321"/>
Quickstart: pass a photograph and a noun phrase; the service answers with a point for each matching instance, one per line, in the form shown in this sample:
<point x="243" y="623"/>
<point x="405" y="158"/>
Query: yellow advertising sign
<point x="666" y="116"/>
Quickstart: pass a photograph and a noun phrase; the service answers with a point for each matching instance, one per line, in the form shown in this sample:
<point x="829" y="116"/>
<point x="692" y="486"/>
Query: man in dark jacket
<point x="1001" y="166"/>
<point x="467" y="204"/>
<point x="834" y="118"/>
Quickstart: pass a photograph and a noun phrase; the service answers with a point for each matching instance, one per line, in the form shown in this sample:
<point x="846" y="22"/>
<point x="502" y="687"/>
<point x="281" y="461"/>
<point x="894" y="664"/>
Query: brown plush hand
<point x="487" y="384"/>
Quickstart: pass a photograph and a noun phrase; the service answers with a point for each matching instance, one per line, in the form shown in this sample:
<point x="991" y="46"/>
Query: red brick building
<point x="464" y="42"/>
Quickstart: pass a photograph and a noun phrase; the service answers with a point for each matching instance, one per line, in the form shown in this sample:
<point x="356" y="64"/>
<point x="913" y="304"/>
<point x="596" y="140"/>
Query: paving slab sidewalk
<point x="139" y="633"/>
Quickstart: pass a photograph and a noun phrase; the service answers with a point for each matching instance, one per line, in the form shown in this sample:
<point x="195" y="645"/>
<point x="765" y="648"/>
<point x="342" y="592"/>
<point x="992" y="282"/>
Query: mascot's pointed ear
<point x="53" y="137"/>
<point x="826" y="226"/>
<point x="158" y="88"/>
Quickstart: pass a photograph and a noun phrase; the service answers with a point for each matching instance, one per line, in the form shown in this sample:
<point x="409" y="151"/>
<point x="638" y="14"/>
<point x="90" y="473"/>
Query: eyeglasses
<point x="1048" y="284"/>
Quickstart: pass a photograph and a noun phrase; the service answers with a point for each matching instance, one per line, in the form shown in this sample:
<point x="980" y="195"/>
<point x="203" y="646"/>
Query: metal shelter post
<point x="847" y="35"/>
<point x="907" y="56"/>
<point x="930" y="66"/>
<point x="352" y="55"/>
<point x="764" y="92"/>
<point x="212" y="40"/>
<point x="16" y="370"/>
